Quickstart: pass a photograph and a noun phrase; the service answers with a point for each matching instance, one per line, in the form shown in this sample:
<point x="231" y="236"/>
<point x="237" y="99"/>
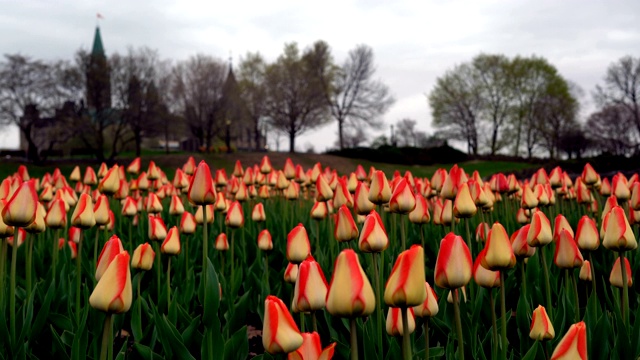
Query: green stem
<point x="406" y="337"/>
<point x="12" y="289"/>
<point x="524" y="280"/>
<point x="29" y="243"/>
<point x="3" y="255"/>
<point x="314" y="321"/>
<point x="403" y="231"/>
<point x="377" y="286"/>
<point x="469" y="242"/>
<point x="156" y="248"/>
<point x="593" y="273"/>
<point x="422" y="235"/>
<point x="456" y="313"/>
<point x="169" y="283"/>
<point x="302" y="322"/>
<point x="503" y="319"/>
<point x="494" y="322"/>
<point x="233" y="260"/>
<point x="575" y="292"/>
<point x="205" y="246"/>
<point x="186" y="254"/>
<point x="266" y="271"/>
<point x="426" y="337"/>
<point x="132" y="244"/>
<point x="107" y="337"/>
<point x="547" y="289"/>
<point x="55" y="252"/>
<point x="354" y="339"/>
<point x="79" y="276"/>
<point x="625" y="290"/>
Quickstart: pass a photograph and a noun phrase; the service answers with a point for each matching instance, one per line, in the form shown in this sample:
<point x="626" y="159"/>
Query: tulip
<point x="521" y="248"/>
<point x="101" y="210"/>
<point x="311" y="287"/>
<point x="264" y="240"/>
<point x="574" y="343"/>
<point x="405" y="287"/>
<point x="403" y="200"/>
<point x="18" y="238"/>
<point x="280" y="333"/>
<point x="464" y="206"/>
<point x="540" y="230"/>
<point x="420" y="214"/>
<point x="541" y="326"/>
<point x="311" y="349"/>
<point x="619" y="188"/>
<point x="616" y="278"/>
<point x="265" y="165"/>
<point x="374" y="236"/>
<point x="175" y="206"/>
<point x="589" y="175"/>
<point x="522" y="217"/>
<point x="567" y="255"/>
<point x="453" y="265"/>
<point x="171" y="243"/>
<point x="379" y="192"/>
<point x="143" y="257"/>
<point x="56" y="216"/>
<point x="394" y="322"/>
<point x="560" y="224"/>
<point x="199" y="216"/>
<point x="83" y="216"/>
<point x="362" y="204"/>
<point x="187" y="223"/>
<point x="618" y="235"/>
<point x="587" y="234"/>
<point x="323" y="190"/>
<point x="157" y="229"/>
<point x="342" y="196"/>
<point x="298" y="247"/>
<point x="319" y="210"/>
<point x="221" y="243"/>
<point x="21" y="208"/>
<point x="483" y="276"/>
<point x="201" y="190"/>
<point x="235" y="217"/>
<point x="113" y="292"/>
<point x="585" y="271"/>
<point x="291" y="273"/>
<point x="111" y="248"/>
<point x="110" y="182"/>
<point x="241" y="194"/>
<point x="258" y="214"/>
<point x="482" y="231"/>
<point x="345" y="228"/>
<point x="153" y="204"/>
<point x="350" y="292"/>
<point x="499" y="252"/>
<point x="429" y="306"/>
<point x="452" y="183"/>
<point x="38" y="225"/>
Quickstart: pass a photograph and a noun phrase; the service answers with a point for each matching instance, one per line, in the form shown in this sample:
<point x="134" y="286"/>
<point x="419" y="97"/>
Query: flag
<point x="99" y="16"/>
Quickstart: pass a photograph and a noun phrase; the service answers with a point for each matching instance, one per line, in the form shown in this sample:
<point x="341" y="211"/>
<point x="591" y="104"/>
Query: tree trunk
<point x="341" y="133"/>
<point x="292" y="142"/>
<point x="138" y="139"/>
<point x="494" y="141"/>
<point x="32" y="149"/>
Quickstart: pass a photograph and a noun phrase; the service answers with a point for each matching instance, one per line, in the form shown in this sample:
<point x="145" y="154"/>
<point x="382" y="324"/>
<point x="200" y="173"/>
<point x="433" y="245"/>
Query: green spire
<point x="98" y="49"/>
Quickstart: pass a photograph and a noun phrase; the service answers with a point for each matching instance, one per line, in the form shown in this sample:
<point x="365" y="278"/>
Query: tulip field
<point x="275" y="261"/>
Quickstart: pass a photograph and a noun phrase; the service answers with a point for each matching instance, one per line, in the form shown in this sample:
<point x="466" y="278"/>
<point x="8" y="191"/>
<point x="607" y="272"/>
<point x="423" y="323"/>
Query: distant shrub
<point x="405" y="155"/>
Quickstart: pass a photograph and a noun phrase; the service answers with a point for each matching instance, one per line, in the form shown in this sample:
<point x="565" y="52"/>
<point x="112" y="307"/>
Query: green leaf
<point x="531" y="354"/>
<point x="79" y="346"/>
<point x="39" y="322"/>
<point x="238" y="314"/>
<point x="237" y="347"/>
<point x="211" y="296"/>
<point x="145" y="352"/>
<point x="175" y="340"/>
<point x="136" y="321"/>
<point x="188" y="333"/>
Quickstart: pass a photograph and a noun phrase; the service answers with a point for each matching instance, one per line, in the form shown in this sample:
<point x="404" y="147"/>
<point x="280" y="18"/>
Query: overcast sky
<point x="414" y="41"/>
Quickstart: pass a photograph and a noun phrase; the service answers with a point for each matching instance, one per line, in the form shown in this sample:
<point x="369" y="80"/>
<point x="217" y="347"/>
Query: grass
<point x="169" y="162"/>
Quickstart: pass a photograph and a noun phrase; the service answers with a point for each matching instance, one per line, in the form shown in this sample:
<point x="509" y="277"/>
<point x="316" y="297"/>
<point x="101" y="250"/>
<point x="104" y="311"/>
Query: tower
<point x="98" y="77"/>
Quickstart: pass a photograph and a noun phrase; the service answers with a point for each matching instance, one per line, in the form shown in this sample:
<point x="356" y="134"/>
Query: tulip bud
<point x="38" y="225"/>
<point x="280" y="333"/>
<point x="74" y="234"/>
<point x="618" y="235"/>
<point x="615" y="278"/>
<point x="379" y="192"/>
<point x="342" y="196"/>
<point x="199" y="217"/>
<point x="589" y="175"/>
<point x="111" y="249"/>
<point x="258" y="214"/>
<point x="110" y="182"/>
<point x="6" y="231"/>
<point x="265" y="165"/>
<point x="187" y="223"/>
<point x="521" y="248"/>
<point x="171" y="243"/>
<point x="462" y="297"/>
<point x="522" y="217"/>
<point x="541" y="326"/>
<point x="420" y="214"/>
<point x="56" y="216"/>
<point x="464" y="206"/>
<point x="499" y="252"/>
<point x="483" y="276"/>
<point x="319" y="210"/>
<point x="429" y="306"/>
<point x="323" y="190"/>
<point x="560" y="224"/>
<point x="83" y="216"/>
<point x="235" y="217"/>
<point x="21" y="208"/>
<point x="310" y="292"/>
<point x="394" y="322"/>
<point x="452" y="183"/>
<point x="567" y="255"/>
<point x="201" y="190"/>
<point x="113" y="293"/>
<point x="540" y="230"/>
<point x="175" y="206"/>
<point x="350" y="292"/>
<point x="345" y="228"/>
<point x="453" y="264"/>
<point x="143" y="257"/>
<point x="405" y="287"/>
<point x="374" y="236"/>
<point x="402" y="201"/>
<point x="362" y="204"/>
<point x="157" y="229"/>
<point x="574" y="343"/>
<point x="585" y="271"/>
<point x="587" y="234"/>
<point x="529" y="199"/>
<point x="312" y="348"/>
<point x="291" y="273"/>
<point x="298" y="247"/>
<point x="619" y="188"/>
<point x="221" y="243"/>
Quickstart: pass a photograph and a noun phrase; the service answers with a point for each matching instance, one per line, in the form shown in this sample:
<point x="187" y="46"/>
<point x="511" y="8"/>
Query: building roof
<point x="98" y="48"/>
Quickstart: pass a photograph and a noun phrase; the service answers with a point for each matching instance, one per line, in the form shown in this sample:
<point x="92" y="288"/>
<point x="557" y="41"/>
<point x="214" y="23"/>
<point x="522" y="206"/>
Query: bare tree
<point x="356" y="98"/>
<point x="613" y="130"/>
<point x="253" y="92"/>
<point x="622" y="87"/>
<point x="197" y="93"/>
<point x="296" y="89"/>
<point x="406" y="132"/>
<point x="556" y="112"/>
<point x="456" y="104"/>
